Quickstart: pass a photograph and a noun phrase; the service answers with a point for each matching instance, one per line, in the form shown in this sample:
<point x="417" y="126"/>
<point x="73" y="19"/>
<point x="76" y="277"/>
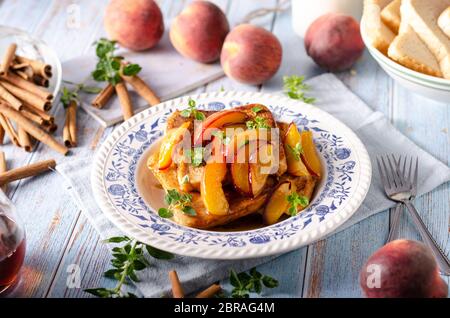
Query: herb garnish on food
<point x="196" y="156"/>
<point x="252" y="282"/>
<point x="127" y="260"/>
<point x="295" y="88"/>
<point x="192" y="111"/>
<point x="295" y="200"/>
<point x="296" y="151"/>
<point x="109" y="65"/>
<point x="176" y="200"/>
<point x="257" y="123"/>
<point x="221" y="135"/>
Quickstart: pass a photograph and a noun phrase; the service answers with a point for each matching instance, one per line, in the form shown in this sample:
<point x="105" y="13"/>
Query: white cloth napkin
<point x="375" y="131"/>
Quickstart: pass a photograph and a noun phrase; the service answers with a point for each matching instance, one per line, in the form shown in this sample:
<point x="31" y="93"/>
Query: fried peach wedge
<point x="309" y="154"/>
<point x="278" y="203"/>
<point x="168" y="145"/>
<point x="211" y="188"/>
<point x="217" y="120"/>
<point x="292" y="147"/>
<point x="262" y="163"/>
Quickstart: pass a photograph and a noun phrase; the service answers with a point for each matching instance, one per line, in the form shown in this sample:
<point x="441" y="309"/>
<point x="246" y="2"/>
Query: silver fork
<point x="400" y="187"/>
<point x="393" y="232"/>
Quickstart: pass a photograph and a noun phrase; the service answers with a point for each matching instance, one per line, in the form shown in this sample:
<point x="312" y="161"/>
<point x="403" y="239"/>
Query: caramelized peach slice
<point x="292" y="141"/>
<point x="168" y="145"/>
<point x="265" y="164"/>
<point x="217" y="120"/>
<point x="239" y="170"/>
<point x="211" y="188"/>
<point x="278" y="203"/>
<point x="261" y="136"/>
<point x="309" y="155"/>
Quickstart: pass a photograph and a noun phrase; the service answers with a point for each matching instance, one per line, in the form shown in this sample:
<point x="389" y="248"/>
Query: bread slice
<point x="378" y="33"/>
<point x="390" y="15"/>
<point x="444" y="21"/>
<point x="409" y="50"/>
<point x="423" y="18"/>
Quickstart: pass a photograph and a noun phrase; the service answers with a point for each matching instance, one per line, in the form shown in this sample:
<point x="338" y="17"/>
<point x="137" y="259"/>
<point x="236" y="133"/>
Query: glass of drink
<point x="12" y="246"/>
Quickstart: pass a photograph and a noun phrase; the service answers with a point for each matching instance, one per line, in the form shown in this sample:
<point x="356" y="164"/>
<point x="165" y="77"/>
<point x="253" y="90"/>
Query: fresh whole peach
<point x="251" y="54"/>
<point x="199" y="30"/>
<point x="135" y="24"/>
<point x="334" y="41"/>
<point x="402" y="269"/>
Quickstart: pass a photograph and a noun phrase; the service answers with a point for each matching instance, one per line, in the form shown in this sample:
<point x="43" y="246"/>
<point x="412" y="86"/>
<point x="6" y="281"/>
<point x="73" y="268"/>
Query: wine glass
<point x="12" y="244"/>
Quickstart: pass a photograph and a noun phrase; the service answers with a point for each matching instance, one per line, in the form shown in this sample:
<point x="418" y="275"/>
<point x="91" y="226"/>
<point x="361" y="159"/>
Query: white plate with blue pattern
<point x="346" y="180"/>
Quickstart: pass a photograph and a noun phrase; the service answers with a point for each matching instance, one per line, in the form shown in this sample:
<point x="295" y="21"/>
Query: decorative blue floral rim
<point x="345" y="160"/>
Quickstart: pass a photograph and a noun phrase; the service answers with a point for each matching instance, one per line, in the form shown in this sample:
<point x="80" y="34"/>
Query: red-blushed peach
<point x="251" y="54"/>
<point x="402" y="269"/>
<point x="199" y="30"/>
<point x="334" y="41"/>
<point x="136" y="24"/>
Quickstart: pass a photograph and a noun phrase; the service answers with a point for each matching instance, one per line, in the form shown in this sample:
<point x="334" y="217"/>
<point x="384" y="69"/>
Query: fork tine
<point x="404" y="166"/>
<point x="388" y="175"/>
<point x="398" y="169"/>
<point x="410" y="169"/>
<point x="394" y="171"/>
<point x="382" y="174"/>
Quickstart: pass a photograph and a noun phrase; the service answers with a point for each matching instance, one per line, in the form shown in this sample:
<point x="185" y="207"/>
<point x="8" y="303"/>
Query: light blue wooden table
<point x="59" y="235"/>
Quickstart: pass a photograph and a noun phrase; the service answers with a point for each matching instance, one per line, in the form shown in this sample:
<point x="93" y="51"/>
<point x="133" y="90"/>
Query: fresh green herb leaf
<point x="221" y="135"/>
<point x="296" y="151"/>
<point x="257" y="123"/>
<point x="127" y="260"/>
<point x="158" y="254"/>
<point x="109" y="65"/>
<point x="295" y="88"/>
<point x="196" y="156"/>
<point x="90" y="89"/>
<point x="131" y="69"/>
<point x="68" y="96"/>
<point x="192" y="111"/>
<point x="295" y="200"/>
<point x="165" y="213"/>
<point x="189" y="210"/>
<point x="256" y="109"/>
<point x="176" y="200"/>
<point x="252" y="282"/>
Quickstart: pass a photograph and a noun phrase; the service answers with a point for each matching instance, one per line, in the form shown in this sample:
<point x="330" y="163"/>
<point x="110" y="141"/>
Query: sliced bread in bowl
<point x="379" y="35"/>
<point x="444" y="21"/>
<point x="390" y="15"/>
<point x="423" y="17"/>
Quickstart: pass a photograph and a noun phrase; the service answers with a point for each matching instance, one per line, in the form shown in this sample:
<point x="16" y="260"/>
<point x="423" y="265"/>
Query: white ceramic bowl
<point x="429" y="86"/>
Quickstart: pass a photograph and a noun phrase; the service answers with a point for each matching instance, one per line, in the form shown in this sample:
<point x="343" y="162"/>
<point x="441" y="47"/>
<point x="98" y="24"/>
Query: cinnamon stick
<point x="124" y="99"/>
<point x="32" y="116"/>
<point x="10" y="98"/>
<point x="50" y="127"/>
<point x="23" y="75"/>
<point x="210" y="291"/>
<point x="3" y="168"/>
<point x="142" y="89"/>
<point x="24" y="139"/>
<point x="18" y="66"/>
<point x="45" y="70"/>
<point x="177" y="289"/>
<point x="70" y="126"/>
<point x="7" y="59"/>
<point x="2" y="134"/>
<point x="33" y="130"/>
<point x="46" y="117"/>
<point x="9" y="129"/>
<point x="27" y="171"/>
<point x="28" y="86"/>
<point x="27" y="97"/>
<point x="41" y="81"/>
<point x="103" y="97"/>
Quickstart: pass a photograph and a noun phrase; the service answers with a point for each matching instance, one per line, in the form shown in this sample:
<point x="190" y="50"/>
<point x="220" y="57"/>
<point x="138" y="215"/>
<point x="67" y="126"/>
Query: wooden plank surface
<point x="59" y="235"/>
